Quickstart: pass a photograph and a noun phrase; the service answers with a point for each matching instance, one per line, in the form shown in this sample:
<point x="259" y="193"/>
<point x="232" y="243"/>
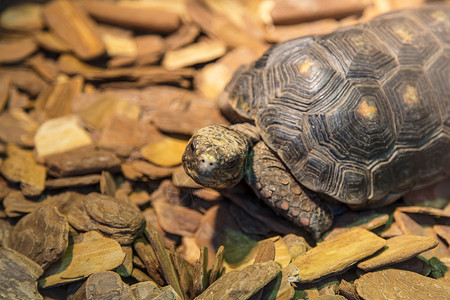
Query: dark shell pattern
<point x="361" y="114"/>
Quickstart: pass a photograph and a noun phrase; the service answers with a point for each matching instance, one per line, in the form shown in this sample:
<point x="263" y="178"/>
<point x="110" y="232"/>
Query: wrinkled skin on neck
<point x="216" y="156"/>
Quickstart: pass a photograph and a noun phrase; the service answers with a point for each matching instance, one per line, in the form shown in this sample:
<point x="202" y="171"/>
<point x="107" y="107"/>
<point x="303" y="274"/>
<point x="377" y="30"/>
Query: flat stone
<point x="399" y="249"/>
<point x="102" y="253"/>
<point x="21" y="167"/>
<point x="22" y="17"/>
<point x="18" y="275"/>
<point x="166" y="153"/>
<point x="104" y="285"/>
<point x="400" y="284"/>
<point x="243" y="283"/>
<point x="337" y="254"/>
<point x="72" y="25"/>
<point x="42" y="235"/>
<point x="60" y="135"/>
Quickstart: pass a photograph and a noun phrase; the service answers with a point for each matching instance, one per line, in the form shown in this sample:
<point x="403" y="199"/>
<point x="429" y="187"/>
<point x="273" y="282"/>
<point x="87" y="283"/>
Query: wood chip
<point x="337" y="254"/>
<point x="60" y="135"/>
<point x="16" y="205"/>
<point x="163" y="258"/>
<point x="288" y="12"/>
<point x="279" y="34"/>
<point x="200" y="52"/>
<point x="177" y="219"/>
<point x="25" y="80"/>
<point x="399" y="249"/>
<point x="42" y="235"/>
<point x="443" y="231"/>
<point x="82" y="162"/>
<point x="18" y="275"/>
<point x="17" y="127"/>
<point x="4" y="90"/>
<point x="166" y="153"/>
<point x="399" y="284"/>
<point x="13" y="51"/>
<point x="102" y="253"/>
<point x="142" y="18"/>
<point x="242" y="283"/>
<point x="72" y="25"/>
<point x="21" y="167"/>
<point x="56" y="100"/>
<point x="348" y="290"/>
<point x="103" y="285"/>
<point x="424" y="210"/>
<point x="70" y="182"/>
<point x="51" y="42"/>
<point x="22" y="17"/>
<point x="146" y="253"/>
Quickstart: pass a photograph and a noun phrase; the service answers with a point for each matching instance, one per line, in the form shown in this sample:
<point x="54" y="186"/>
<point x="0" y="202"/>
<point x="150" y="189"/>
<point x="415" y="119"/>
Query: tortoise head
<point x="215" y="156"/>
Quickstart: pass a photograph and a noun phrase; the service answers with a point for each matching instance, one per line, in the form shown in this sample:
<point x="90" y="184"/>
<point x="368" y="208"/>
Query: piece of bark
<point x="107" y="184"/>
<point x="183" y="272"/>
<point x="200" y="273"/>
<point x="407" y="224"/>
<point x="242" y="283"/>
<point x="218" y="25"/>
<point x="200" y="52"/>
<point x="13" y="51"/>
<point x="348" y="290"/>
<point x="217" y="267"/>
<point x="76" y="163"/>
<point x="114" y="218"/>
<point x="184" y="120"/>
<point x="163" y="258"/>
<point x="140" y="76"/>
<point x="443" y="231"/>
<point x="150" y="48"/>
<point x="103" y="285"/>
<point x="16" y="205"/>
<point x="213" y="78"/>
<point x="106" y="107"/>
<point x="181" y="179"/>
<point x="17" y="127"/>
<point x="145" y="290"/>
<point x="141" y="18"/>
<point x="288" y="12"/>
<point x="42" y="235"/>
<point x="139" y="197"/>
<point x="337" y="254"/>
<point x="75" y="181"/>
<point x="51" y="42"/>
<point x="185" y="35"/>
<point x="424" y="210"/>
<point x="18" y="100"/>
<point x="151" y="219"/>
<point x="126" y="268"/>
<point x="399" y="249"/>
<point x="297" y="245"/>
<point x="45" y="67"/>
<point x="21" y="167"/>
<point x="150" y="170"/>
<point x="177" y="219"/>
<point x="4" y="91"/>
<point x="56" y="100"/>
<point x="279" y="34"/>
<point x="146" y="253"/>
<point x="119" y="45"/>
<point x="399" y="284"/>
<point x="140" y="276"/>
<point x="22" y="17"/>
<point x="123" y="134"/>
<point x="346" y="222"/>
<point x="102" y="253"/>
<point x="72" y="25"/>
<point x="60" y="135"/>
<point x="18" y="275"/>
<point x="25" y="80"/>
<point x="165" y="153"/>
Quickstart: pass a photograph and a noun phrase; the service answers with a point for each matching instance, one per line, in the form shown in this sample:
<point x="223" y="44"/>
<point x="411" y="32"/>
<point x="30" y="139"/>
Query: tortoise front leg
<point x="275" y="185"/>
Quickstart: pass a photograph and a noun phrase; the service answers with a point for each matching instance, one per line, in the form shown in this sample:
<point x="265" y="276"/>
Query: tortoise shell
<point x="361" y="114"/>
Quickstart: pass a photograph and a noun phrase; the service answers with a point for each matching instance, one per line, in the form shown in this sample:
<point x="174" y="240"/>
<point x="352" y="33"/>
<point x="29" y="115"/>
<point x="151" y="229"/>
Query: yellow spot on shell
<point x="367" y="110"/>
<point x="403" y="33"/>
<point x="410" y="95"/>
<point x="306" y="66"/>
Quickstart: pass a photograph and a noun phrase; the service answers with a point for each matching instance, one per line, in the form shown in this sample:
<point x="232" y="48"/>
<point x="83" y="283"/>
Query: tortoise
<point x="359" y="116"/>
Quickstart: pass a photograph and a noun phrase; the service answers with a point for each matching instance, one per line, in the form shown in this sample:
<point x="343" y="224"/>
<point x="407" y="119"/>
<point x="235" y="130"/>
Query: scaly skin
<point x="275" y="185"/>
<point x="219" y="156"/>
